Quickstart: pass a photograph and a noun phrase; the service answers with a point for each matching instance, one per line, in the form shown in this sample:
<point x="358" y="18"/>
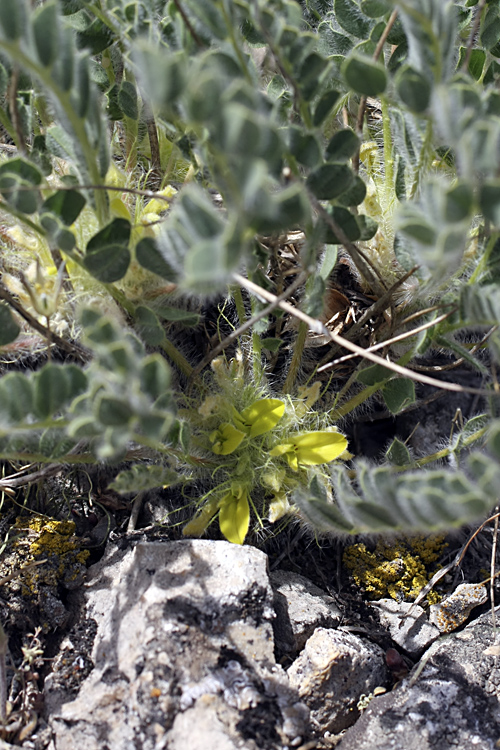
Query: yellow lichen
<point x="397" y="568"/>
<point x="53" y="541"/>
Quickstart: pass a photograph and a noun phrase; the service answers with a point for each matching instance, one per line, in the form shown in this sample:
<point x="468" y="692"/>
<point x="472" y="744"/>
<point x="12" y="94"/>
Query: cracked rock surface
<point x="453" y="703"/>
<point x="183" y="655"/>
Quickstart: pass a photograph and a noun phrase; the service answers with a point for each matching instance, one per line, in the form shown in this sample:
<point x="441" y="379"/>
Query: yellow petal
<point x="262" y="415"/>
<point x="314" y="448"/>
<point x="234" y="517"/>
<point x="226" y="439"/>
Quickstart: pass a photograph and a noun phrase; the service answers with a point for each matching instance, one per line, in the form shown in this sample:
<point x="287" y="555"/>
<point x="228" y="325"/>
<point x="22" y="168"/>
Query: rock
<point x="300" y="608"/>
<point x="183" y="654"/>
<point x="332" y="673"/>
<point x="453" y="611"/>
<point x="407" y="624"/>
<point x="453" y="703"/>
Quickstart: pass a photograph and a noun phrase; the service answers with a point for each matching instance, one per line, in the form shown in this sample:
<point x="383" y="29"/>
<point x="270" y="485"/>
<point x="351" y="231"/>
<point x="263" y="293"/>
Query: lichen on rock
<point x="398" y="568"/>
<point x="60" y="561"/>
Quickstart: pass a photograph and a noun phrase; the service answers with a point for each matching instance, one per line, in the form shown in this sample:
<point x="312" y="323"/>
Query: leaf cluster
<point x="159" y="150"/>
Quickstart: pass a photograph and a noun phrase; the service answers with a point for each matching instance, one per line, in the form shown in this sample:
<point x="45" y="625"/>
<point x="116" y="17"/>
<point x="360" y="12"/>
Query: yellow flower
<point x="311" y="448"/>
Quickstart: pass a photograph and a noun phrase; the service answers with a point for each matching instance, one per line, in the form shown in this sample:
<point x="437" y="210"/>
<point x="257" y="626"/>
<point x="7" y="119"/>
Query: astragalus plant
<point x="239" y="221"/>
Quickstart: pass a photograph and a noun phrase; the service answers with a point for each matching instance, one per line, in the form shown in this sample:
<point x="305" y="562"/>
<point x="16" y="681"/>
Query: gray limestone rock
<point x="183" y="655"/>
<point x="453" y="611"/>
<point x="453" y="703"/>
<point x="333" y="671"/>
<point x="300" y="607"/>
<point x="407" y="624"/>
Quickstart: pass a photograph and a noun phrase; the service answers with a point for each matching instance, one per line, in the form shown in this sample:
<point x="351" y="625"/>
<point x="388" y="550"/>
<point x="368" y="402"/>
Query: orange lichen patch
<point x="453" y="611"/>
<point x="397" y="568"/>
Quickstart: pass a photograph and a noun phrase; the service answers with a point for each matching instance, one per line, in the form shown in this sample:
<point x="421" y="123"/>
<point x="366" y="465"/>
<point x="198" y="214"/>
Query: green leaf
<point x="234" y="516"/>
<point x="202" y="218"/>
<point x="9" y="330"/>
<point x="364" y="76"/>
<point x="51" y="390"/>
<point x="82" y="90"/>
<point x="413" y="88"/>
<point x="324" y="106"/>
<point x="490" y="33"/>
<point x="367" y="227"/>
<point x="342" y="146"/>
<point x="489" y="201"/>
<point x="113" y="412"/>
<point x="45" y="26"/>
<point x="459" y="202"/>
<point x="16" y="398"/>
<point x="4" y="80"/>
<point x="350" y="17"/>
<point x="177" y="315"/>
<point x="208" y="14"/>
<point x="419" y="230"/>
<point x="13" y="18"/>
<point x="226" y="439"/>
<point x="373" y="375"/>
<point x="330" y="180"/>
<point x="309" y="76"/>
<point x="476" y="61"/>
<point x="149" y="255"/>
<point x="108" y="263"/>
<point x="304" y="147"/>
<point x="354" y="195"/>
<point x="480" y="305"/>
<point x="271" y="344"/>
<point x="18" y="181"/>
<point x="96" y="38"/>
<point x="155" y="376"/>
<point x="494" y="439"/>
<point x="347" y="222"/>
<point x="333" y="43"/>
<point x="318" y="508"/>
<point x="375" y="8"/>
<point x="148" y="326"/>
<point x="261" y="416"/>
<point x="127" y="99"/>
<point x="66" y="204"/>
<point x="141" y="478"/>
<point x="107" y="256"/>
<point x="63" y="68"/>
<point x="76" y="381"/>
<point x="398" y="394"/>
<point x="329" y="261"/>
<point x="398" y="454"/>
<point x="117" y="232"/>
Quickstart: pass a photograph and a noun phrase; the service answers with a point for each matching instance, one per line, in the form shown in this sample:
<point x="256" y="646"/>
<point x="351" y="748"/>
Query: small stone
<point x="407" y="624"/>
<point x="300" y="607"/>
<point x="332" y="672"/>
<point x="453" y="611"/>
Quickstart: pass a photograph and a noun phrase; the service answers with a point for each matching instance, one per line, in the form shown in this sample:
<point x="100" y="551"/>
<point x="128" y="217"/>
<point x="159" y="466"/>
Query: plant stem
<point x="444" y="452"/>
<point x="483" y="263"/>
<point x="240" y="305"/>
<point x="388" y="155"/>
<point x="298" y="351"/>
<point x="354" y="402"/>
<point x="14" y="110"/>
<point x="177" y="358"/>
<point x="422" y="159"/>
<point x="256" y="358"/>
